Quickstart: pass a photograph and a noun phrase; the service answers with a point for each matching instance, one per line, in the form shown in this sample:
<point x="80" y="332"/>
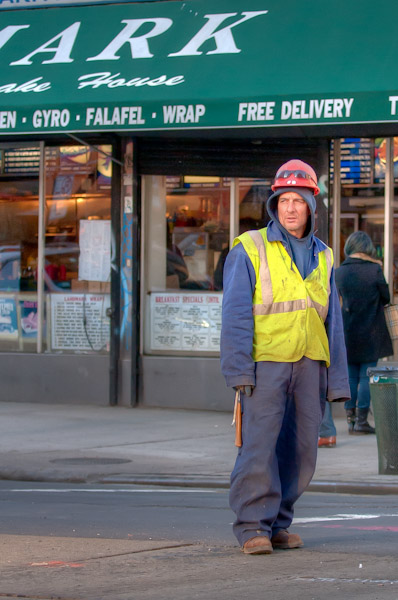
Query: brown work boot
<point x="257" y="545"/>
<point x="283" y="540"/>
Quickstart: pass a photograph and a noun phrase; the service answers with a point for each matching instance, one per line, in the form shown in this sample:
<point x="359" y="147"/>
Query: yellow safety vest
<point x="289" y="312"/>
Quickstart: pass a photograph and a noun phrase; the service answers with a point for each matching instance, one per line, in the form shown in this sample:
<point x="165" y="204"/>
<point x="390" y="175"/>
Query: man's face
<point x="293" y="213"/>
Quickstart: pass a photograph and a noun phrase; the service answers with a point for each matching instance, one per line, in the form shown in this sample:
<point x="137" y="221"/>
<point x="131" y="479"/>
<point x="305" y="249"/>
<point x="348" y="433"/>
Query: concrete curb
<point x="354" y="487"/>
<point x="192" y="481"/>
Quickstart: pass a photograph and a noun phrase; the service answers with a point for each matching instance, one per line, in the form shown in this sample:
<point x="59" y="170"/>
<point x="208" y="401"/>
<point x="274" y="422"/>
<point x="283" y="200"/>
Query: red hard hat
<point x="296" y="173"/>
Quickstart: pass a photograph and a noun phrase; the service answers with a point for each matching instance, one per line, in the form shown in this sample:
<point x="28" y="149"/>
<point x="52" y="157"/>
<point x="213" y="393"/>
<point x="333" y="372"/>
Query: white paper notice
<point x="79" y="322"/>
<point x="186" y="322"/>
<point x="95" y="250"/>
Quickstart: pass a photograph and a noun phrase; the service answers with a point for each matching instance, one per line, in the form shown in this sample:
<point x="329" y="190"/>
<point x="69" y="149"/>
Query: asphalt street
<point x="327" y="522"/>
<point x="86" y="542"/>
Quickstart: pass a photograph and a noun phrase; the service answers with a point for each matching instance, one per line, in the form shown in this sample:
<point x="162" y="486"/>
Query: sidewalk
<point x="115" y="445"/>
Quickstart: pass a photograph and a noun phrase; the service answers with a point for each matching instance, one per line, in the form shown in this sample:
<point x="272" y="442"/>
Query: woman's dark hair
<point x="359" y="242"/>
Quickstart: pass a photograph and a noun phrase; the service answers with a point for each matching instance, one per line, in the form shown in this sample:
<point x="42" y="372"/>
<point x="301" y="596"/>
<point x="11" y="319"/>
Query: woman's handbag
<point x="391" y="314"/>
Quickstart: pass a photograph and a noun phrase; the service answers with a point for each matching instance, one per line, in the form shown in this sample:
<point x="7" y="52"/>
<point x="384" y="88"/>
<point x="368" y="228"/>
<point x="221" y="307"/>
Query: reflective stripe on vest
<point x="269" y="307"/>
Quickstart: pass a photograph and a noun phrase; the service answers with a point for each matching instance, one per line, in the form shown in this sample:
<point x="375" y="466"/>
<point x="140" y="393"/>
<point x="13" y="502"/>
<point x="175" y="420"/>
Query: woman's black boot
<point x="362" y="426"/>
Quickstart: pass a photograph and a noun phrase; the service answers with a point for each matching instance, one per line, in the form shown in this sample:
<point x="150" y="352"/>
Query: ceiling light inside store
<point x="200" y="179"/>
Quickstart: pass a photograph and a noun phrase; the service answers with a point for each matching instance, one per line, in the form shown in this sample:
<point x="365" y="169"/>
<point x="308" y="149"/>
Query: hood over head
<point x="300" y="249"/>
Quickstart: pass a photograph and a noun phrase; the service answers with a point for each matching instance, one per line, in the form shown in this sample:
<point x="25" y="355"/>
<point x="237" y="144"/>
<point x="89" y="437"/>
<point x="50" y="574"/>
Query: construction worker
<point x="282" y="349"/>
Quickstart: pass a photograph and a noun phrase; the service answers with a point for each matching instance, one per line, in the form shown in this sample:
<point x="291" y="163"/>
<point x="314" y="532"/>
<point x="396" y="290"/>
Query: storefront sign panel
<point x="186" y="322"/>
<point x="186" y="65"/>
<point x="362" y="108"/>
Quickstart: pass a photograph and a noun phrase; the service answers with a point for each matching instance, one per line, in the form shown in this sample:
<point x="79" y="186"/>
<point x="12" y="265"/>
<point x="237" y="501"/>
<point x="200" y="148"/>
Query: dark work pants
<point x="277" y="459"/>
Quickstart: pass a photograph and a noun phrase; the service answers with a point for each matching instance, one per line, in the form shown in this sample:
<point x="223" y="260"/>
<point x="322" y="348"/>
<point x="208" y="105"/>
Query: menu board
<point x="188" y="322"/>
<point x="21" y="160"/>
<point x="356" y="161"/>
<point x="79" y="322"/>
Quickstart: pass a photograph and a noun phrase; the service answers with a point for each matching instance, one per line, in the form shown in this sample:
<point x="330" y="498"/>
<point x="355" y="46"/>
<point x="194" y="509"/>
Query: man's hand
<point x="245" y="389"/>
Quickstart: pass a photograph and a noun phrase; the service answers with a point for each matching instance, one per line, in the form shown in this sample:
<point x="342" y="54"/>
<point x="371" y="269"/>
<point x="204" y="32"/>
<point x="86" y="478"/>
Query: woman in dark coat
<point x="361" y="284"/>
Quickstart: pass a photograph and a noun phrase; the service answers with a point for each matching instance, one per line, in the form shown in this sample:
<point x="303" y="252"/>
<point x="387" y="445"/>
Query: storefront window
<point x="77" y="248"/>
<point x="19" y="209"/>
<point x="186" y="238"/>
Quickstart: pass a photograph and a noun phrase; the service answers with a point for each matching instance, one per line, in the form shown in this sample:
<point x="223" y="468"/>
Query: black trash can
<point x="384" y="397"/>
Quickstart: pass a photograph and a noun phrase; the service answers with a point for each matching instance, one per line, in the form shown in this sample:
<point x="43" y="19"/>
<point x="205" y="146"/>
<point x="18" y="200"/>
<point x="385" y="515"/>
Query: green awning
<point x="198" y="65"/>
<point x="31" y="4"/>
